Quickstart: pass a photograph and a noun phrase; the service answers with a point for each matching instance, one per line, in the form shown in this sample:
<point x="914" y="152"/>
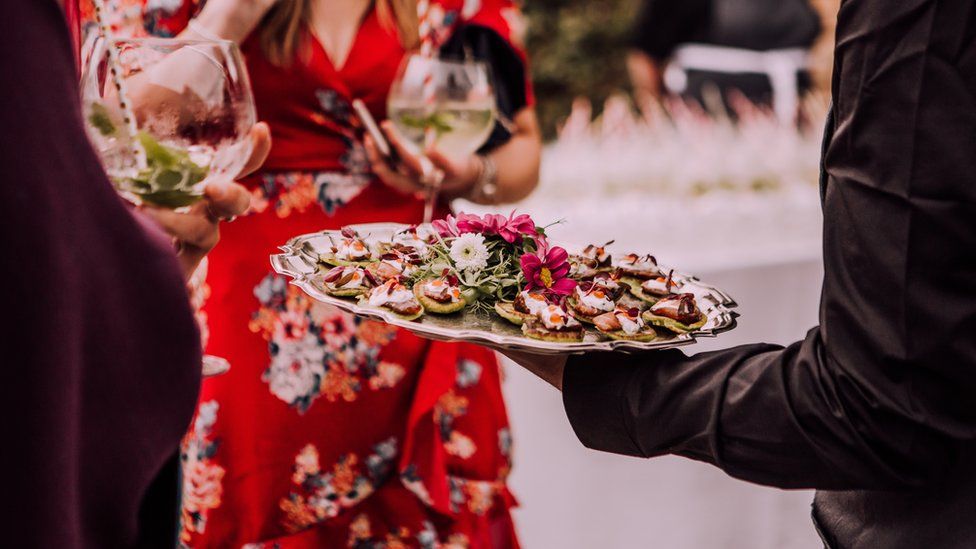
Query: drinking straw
<point x="115" y="68"/>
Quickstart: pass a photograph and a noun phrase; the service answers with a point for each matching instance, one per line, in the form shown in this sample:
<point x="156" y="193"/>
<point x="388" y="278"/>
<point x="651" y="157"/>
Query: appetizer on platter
<point x="653" y="289"/>
<point x="351" y="249"/>
<point x="553" y="324"/>
<point x="410" y="238"/>
<point x="625" y="324"/>
<point x="587" y="304"/>
<point x="440" y="295"/>
<point x="396" y="263"/>
<point x="396" y="297"/>
<point x="592" y="260"/>
<point x="640" y="267"/>
<point x="348" y="281"/>
<point x="678" y="313"/>
<point x="504" y="270"/>
<point x="526" y="305"/>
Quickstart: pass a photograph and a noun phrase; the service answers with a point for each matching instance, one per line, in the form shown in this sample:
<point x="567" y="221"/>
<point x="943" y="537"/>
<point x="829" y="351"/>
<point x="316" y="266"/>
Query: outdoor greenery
<point x="577" y="49"/>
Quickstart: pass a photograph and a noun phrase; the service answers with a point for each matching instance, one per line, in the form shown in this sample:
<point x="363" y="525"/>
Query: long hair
<point x="281" y="29"/>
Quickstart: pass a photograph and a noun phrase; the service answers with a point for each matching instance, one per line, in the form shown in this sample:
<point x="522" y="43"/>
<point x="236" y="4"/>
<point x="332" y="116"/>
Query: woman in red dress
<point x="331" y="431"/>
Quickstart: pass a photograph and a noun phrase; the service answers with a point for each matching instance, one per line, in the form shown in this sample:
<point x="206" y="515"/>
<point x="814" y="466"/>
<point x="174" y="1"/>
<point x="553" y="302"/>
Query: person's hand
<point x="197" y="231"/>
<point x="411" y="177"/>
<point x="548" y="367"/>
<point x="260" y="147"/>
<point x="232" y="19"/>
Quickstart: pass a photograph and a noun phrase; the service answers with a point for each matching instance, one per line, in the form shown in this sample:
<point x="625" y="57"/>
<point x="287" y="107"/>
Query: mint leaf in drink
<point x="438" y="121"/>
<point x="99" y="118"/>
<point x="157" y="154"/>
<point x="169" y="177"/>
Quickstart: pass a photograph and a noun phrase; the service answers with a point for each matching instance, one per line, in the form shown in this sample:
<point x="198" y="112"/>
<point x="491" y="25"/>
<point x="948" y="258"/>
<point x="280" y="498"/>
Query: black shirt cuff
<point x="594" y="395"/>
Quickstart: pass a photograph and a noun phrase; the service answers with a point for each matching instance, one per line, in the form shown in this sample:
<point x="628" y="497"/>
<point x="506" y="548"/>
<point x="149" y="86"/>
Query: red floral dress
<point x="328" y="430"/>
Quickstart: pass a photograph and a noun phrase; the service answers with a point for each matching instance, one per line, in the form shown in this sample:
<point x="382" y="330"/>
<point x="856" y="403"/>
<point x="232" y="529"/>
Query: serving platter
<point x="299" y="260"/>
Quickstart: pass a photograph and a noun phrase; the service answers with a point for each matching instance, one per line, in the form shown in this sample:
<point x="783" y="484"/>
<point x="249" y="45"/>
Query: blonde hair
<point x="281" y="29"/>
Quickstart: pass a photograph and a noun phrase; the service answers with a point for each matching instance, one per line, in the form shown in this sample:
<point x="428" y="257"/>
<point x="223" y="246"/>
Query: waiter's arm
<point x="883" y="393"/>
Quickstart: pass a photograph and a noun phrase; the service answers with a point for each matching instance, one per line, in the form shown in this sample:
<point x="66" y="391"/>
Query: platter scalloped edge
<point x="299" y="262"/>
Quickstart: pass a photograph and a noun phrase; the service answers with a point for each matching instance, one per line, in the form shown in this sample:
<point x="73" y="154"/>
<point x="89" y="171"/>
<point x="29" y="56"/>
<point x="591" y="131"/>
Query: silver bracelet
<point x="486" y="186"/>
<point x="203" y="32"/>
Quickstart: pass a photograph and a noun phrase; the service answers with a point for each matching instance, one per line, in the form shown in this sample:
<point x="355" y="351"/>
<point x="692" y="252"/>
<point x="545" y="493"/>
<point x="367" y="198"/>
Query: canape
<point x="439" y="295"/>
<point x="592" y="260"/>
<point x="625" y="324"/>
<point x="350" y="250"/>
<point x="553" y="324"/>
<point x="640" y="267"/>
<point x="526" y="305"/>
<point x="589" y="301"/>
<point x="678" y="313"/>
<point x="653" y="289"/>
<point x="396" y="297"/>
<point x="410" y="238"/>
<point x="348" y="281"/>
<point x="395" y="263"/>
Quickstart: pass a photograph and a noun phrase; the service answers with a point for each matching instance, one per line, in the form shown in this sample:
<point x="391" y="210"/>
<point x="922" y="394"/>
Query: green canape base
<point x="506" y="310"/>
<point x="542" y="334"/>
<point x="433" y="306"/>
<point x="364" y="302"/>
<point x="672" y="324"/>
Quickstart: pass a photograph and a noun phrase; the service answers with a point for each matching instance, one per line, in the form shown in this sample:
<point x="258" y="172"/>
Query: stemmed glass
<point x="441" y="103"/>
<point x="167" y="116"/>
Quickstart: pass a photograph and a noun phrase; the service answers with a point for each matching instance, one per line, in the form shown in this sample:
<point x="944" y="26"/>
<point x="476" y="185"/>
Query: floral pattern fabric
<point x="329" y="430"/>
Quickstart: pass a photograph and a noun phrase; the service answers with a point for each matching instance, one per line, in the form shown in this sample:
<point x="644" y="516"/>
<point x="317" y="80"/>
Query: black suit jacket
<point x="877" y="406"/>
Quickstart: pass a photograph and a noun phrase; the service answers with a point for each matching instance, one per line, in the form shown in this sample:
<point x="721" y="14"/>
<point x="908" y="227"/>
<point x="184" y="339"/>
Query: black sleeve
<point x="664" y="24"/>
<point x="508" y="71"/>
<point x="881" y="394"/>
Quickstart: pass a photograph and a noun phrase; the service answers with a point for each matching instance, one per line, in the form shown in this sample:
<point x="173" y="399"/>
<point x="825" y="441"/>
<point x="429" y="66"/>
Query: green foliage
<point x="577" y="48"/>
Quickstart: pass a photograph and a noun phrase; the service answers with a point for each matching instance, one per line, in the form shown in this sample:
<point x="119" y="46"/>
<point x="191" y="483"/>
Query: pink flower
<point x="548" y="271"/>
<point x="470" y="223"/>
<point x="446" y="227"/>
<point x="511" y="228"/>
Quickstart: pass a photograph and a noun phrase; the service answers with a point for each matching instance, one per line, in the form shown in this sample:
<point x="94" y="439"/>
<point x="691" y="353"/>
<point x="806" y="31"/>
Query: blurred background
<point x="715" y="185"/>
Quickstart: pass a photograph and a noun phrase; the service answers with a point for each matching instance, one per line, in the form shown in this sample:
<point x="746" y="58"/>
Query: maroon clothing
<point x="101" y="357"/>
<point x="877" y="406"/>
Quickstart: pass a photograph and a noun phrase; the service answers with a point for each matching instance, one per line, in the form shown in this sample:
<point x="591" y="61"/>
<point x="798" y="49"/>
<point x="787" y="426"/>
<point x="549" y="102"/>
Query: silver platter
<point x="299" y="261"/>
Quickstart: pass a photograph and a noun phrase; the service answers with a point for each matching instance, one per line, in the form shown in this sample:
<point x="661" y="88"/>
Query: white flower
<point x="296" y="369"/>
<point x="469" y="252"/>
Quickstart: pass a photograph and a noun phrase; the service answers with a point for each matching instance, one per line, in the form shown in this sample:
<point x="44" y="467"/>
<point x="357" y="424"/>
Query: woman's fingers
<point x="459" y="177"/>
<point x="408" y="158"/>
<point x="196" y="228"/>
<point x="260" y="136"/>
<point x="398" y="181"/>
<point x="226" y="199"/>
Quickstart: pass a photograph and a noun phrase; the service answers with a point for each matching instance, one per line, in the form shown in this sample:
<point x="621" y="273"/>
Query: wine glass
<point x="441" y="103"/>
<point x="192" y="106"/>
<point x="166" y="117"/>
